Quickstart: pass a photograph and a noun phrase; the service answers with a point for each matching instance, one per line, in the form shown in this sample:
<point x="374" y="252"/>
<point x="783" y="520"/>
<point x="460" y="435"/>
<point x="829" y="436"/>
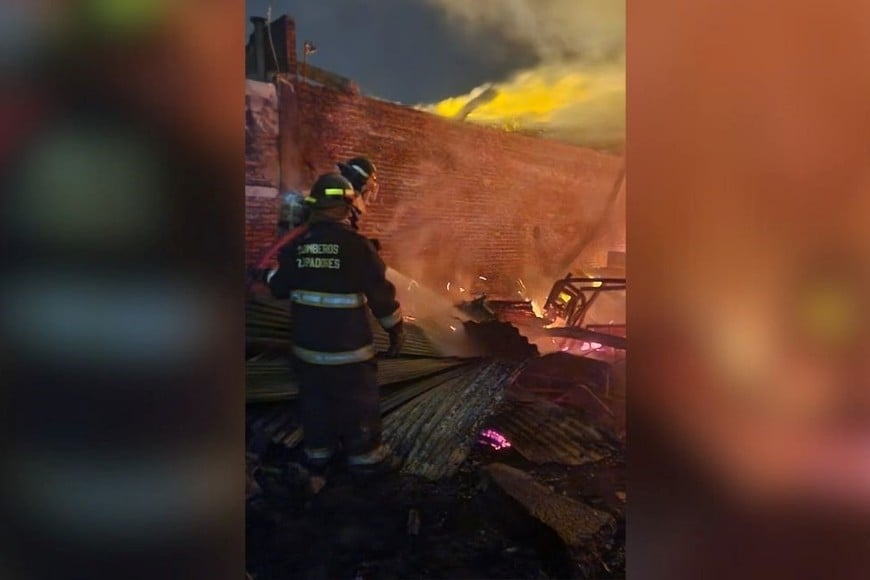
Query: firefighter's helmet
<point x="358" y="170"/>
<point x="330" y="190"/>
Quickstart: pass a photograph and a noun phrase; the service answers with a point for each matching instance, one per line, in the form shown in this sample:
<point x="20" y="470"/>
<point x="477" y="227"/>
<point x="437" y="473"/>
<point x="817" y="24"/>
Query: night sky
<point x="400" y="50"/>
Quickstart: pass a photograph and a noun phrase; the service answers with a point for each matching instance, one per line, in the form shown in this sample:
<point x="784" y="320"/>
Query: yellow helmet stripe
<point x="337" y="191"/>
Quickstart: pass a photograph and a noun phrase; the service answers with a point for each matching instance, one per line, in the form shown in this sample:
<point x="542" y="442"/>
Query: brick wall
<point x="458" y="201"/>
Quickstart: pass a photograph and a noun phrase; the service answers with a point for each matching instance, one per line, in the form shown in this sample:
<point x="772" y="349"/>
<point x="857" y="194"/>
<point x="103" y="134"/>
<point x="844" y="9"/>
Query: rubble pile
<point x="508" y="470"/>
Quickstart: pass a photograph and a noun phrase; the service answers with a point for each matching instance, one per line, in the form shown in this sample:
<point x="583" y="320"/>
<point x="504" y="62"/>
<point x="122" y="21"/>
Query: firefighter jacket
<point x="333" y="276"/>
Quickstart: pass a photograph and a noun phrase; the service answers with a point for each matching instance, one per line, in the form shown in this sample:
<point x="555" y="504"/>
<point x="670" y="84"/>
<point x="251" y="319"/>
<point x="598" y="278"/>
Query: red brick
<point x="458" y="200"/>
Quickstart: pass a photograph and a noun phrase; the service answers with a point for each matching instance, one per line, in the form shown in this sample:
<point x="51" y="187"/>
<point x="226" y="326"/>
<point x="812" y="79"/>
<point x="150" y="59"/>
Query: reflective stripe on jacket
<point x="335" y="358"/>
<point x="327" y="299"/>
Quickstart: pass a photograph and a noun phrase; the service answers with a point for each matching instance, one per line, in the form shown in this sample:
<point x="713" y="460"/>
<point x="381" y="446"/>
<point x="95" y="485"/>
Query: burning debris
<point x="544" y="432"/>
<point x="435" y="432"/>
<point x="494" y="439"/>
<point x="494" y="444"/>
<point x="570" y="318"/>
<point x="484" y="415"/>
<point x="571" y="298"/>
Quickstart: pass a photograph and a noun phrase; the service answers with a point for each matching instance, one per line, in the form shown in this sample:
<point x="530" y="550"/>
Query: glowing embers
<point x="581" y="347"/>
<point x="494" y="439"/>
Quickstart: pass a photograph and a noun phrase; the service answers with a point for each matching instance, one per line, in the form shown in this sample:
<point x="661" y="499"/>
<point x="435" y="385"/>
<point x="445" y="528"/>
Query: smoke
<point x="576" y="92"/>
<point x="421" y="302"/>
<point x="569" y="31"/>
<point x="575" y="237"/>
<point x="571" y="86"/>
<point x="439" y="319"/>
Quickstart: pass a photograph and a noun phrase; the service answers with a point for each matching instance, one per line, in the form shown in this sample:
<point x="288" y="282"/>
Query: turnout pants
<point x="341" y="404"/>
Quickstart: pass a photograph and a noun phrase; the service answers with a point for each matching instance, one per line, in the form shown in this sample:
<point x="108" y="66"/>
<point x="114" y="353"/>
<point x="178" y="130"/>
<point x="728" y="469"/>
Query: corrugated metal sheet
<point x="435" y="431"/>
<point x="500" y="340"/>
<point x="270" y="379"/>
<point x="546" y="433"/>
<point x="279" y="423"/>
<point x="434" y="405"/>
<point x="399" y="370"/>
<point x="518" y="312"/>
<point x="269" y="322"/>
<point x="431" y="422"/>
<point x="394" y="396"/>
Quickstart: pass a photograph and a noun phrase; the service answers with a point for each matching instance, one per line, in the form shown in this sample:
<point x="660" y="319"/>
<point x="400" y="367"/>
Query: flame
<point x="536" y="308"/>
<point x="581" y="348"/>
<point x="582" y="105"/>
<point x="530" y="98"/>
<point x="494" y="439"/>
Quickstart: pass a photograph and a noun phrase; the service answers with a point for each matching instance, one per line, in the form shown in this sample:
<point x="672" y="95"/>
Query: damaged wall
<point x="460" y="201"/>
<point x="457" y="201"/>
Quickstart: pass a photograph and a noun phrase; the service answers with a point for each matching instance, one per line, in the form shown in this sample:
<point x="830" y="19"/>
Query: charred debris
<point x="513" y="455"/>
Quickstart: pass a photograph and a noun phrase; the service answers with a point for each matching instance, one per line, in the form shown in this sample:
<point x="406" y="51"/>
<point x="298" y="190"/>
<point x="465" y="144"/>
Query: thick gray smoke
<point x="572" y="31"/>
<point x="580" y="46"/>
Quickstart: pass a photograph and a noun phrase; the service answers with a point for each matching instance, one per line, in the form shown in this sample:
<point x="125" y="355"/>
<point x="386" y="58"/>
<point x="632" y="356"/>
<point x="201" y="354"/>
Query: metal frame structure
<point x="572" y="296"/>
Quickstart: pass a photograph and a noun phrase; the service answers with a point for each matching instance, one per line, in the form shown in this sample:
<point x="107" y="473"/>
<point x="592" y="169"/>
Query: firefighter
<point x="332" y="274"/>
<point x="363" y="175"/>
